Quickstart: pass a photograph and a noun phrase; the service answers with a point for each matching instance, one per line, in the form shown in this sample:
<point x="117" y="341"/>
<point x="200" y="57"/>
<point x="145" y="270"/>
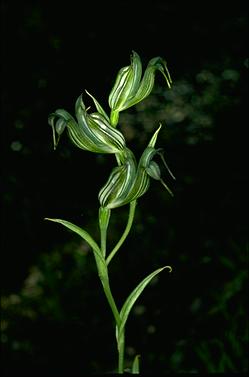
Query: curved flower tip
<point x="128" y="182"/>
<point x="98" y="106"/>
<point x="129" y="88"/>
<point x="154" y="137"/>
<point x="58" y="121"/>
<point x="92" y="132"/>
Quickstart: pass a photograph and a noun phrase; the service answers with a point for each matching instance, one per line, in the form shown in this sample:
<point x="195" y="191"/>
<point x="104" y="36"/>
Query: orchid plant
<point x="97" y="132"/>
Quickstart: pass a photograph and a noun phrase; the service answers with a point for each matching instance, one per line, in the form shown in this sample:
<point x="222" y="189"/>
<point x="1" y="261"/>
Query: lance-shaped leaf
<point x="100" y="261"/>
<point x="91" y="132"/>
<point x="130" y="301"/>
<point x="129" y="88"/>
<point x="135" y="365"/>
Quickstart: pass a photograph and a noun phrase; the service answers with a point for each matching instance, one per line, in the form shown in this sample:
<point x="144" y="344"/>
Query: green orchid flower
<point x="129" y="88"/>
<point x="128" y="182"/>
<point x="91" y="132"/>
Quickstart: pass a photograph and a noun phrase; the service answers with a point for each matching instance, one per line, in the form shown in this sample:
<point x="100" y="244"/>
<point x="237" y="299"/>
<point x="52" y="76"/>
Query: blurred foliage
<point x="189" y="112"/>
<point x="54" y="318"/>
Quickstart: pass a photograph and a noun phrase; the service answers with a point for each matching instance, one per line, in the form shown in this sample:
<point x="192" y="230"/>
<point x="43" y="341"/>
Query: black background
<point x="51" y="52"/>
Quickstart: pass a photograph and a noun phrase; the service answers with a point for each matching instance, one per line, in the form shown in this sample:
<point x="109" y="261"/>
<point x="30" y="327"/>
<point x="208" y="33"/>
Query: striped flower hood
<point x="96" y="132"/>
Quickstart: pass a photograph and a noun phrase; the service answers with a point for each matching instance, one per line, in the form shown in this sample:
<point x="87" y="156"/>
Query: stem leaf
<point x="82" y="233"/>
<point x="130" y="301"/>
<point x="135" y="365"/>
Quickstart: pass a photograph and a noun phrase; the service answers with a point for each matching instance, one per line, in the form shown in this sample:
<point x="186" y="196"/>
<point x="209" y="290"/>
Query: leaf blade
<point x="130" y="301"/>
<point x="82" y="233"/>
<point x="135" y="365"/>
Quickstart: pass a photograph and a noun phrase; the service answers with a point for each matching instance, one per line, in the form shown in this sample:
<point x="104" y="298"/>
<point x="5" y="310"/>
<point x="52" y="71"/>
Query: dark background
<point x="55" y="321"/>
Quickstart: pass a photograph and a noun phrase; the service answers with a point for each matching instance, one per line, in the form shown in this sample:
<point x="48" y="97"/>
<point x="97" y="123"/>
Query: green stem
<point x="126" y="231"/>
<point x="104" y="217"/>
<point x="121" y="348"/>
<point x="114" y="116"/>
<point x="110" y="299"/>
<point x="103" y="242"/>
<point x="104" y="221"/>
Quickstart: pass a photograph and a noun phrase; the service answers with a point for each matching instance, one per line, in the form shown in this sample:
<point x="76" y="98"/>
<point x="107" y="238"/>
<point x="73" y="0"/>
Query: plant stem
<point x="121" y="348"/>
<point x="114" y="116"/>
<point x="126" y="231"/>
<point x="110" y="299"/>
<point x="104" y="217"/>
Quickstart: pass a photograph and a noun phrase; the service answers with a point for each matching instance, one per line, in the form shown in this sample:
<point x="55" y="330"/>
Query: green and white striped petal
<point x="98" y="107"/>
<point x="147" y="83"/>
<point x="119" y="183"/>
<point x="91" y="132"/>
<point x="126" y="182"/>
<point x="126" y="83"/>
<point x="129" y="89"/>
<point x="59" y="120"/>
